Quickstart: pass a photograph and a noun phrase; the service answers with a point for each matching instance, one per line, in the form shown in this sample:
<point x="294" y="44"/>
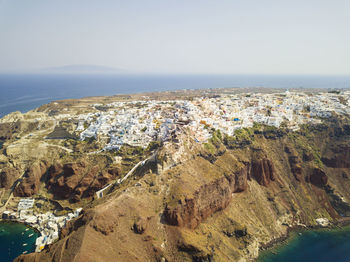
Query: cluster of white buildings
<point x="135" y="123"/>
<point x="323" y="222"/>
<point x="25" y="203"/>
<point x="138" y="123"/>
<point x="47" y="224"/>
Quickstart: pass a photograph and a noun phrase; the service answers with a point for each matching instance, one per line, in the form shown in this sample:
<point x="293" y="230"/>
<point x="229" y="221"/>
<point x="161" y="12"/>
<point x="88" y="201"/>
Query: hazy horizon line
<point x="136" y="73"/>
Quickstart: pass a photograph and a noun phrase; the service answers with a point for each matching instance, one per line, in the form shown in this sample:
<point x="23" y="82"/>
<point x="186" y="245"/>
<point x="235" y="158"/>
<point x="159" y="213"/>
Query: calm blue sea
<point x="15" y="239"/>
<point x="27" y="91"/>
<point x="318" y="246"/>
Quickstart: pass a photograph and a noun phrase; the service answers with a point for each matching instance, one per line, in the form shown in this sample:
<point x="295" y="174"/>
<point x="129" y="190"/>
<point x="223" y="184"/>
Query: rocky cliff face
<point x="216" y="195"/>
<point x="295" y="162"/>
<point x="208" y="199"/>
<point x="63" y="179"/>
<point x="8" y="176"/>
<point x="263" y="171"/>
<point x="318" y="177"/>
<point x="69" y="181"/>
<point x="338" y="156"/>
<point x="31" y="180"/>
<point x="295" y="165"/>
<point x="77" y="180"/>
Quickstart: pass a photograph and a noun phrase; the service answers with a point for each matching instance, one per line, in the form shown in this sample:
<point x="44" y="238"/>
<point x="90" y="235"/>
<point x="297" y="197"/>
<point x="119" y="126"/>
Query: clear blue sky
<point x="178" y="36"/>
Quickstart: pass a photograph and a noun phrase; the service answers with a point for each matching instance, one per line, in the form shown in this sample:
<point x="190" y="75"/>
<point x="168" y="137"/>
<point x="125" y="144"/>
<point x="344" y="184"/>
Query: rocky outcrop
<point x="208" y="199"/>
<point x="241" y="178"/>
<point x="337" y="157"/>
<point x="263" y="171"/>
<point x="232" y="229"/>
<point x="77" y="180"/>
<point x="8" y="176"/>
<point x="295" y="162"/>
<point x="287" y="150"/>
<point x="8" y="130"/>
<point x="318" y="177"/>
<point x="63" y="179"/>
<point x="72" y="225"/>
<point x="11" y="129"/>
<point x="140" y="226"/>
<point x="212" y="156"/>
<point x="308" y="156"/>
<point x="295" y="166"/>
<point x="337" y="201"/>
<point x="31" y="182"/>
<point x="215" y="196"/>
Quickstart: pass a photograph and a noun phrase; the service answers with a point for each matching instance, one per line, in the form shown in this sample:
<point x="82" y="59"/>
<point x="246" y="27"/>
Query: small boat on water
<point x="27" y="229"/>
<point x="25" y="244"/>
<point x="31" y="234"/>
<point x="25" y="252"/>
<point x="22" y="233"/>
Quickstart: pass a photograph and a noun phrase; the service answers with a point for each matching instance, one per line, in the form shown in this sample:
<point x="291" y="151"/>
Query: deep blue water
<point x="319" y="245"/>
<point x="25" y="92"/>
<point x="12" y="238"/>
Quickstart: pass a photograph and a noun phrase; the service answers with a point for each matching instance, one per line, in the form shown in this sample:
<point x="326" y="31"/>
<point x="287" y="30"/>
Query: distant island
<point x="83" y="69"/>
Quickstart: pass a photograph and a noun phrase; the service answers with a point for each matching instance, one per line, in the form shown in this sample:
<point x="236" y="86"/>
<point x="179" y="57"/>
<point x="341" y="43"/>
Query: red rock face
<point x="295" y="166"/>
<point x="295" y="162"/>
<point x="207" y="200"/>
<point x="263" y="171"/>
<point x="318" y="177"/>
<point x="241" y="179"/>
<point x="8" y="176"/>
<point x="77" y="180"/>
<point x="31" y="182"/>
<point x="63" y="179"/>
<point x="216" y="195"/>
<point x="338" y="157"/>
